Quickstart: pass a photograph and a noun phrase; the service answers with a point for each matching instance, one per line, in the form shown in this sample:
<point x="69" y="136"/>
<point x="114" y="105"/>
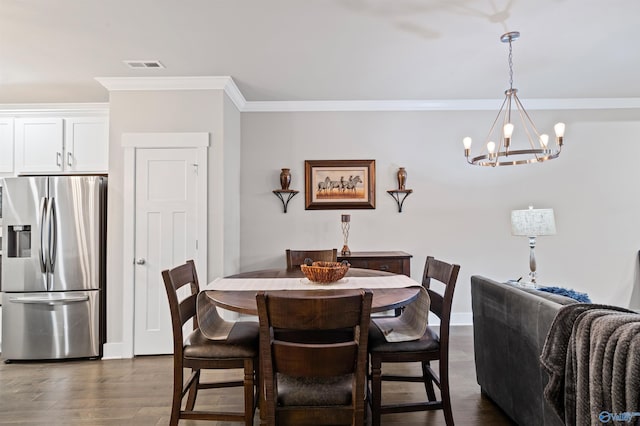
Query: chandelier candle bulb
<point x="544" y="140"/>
<point x="467" y="146"/>
<point x="491" y="147"/>
<point x="508" y="131"/>
<point x="559" y="129"/>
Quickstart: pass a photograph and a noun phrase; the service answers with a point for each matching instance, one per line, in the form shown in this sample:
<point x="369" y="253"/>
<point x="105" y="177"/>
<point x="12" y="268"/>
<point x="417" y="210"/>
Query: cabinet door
<point x="86" y="144"/>
<point x="38" y="145"/>
<point x="6" y="145"/>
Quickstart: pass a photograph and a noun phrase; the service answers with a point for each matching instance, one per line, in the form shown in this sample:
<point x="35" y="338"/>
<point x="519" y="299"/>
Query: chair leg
<point x="176" y="400"/>
<point x="376" y="390"/>
<point x="444" y="392"/>
<point x="248" y="391"/>
<point x="428" y="381"/>
<point x="193" y="391"/>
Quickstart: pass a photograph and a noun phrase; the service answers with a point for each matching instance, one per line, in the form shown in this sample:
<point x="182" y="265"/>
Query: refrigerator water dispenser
<point x="19" y="241"/>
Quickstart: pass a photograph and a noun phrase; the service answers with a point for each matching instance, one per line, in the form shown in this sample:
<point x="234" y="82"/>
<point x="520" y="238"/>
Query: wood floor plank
<point x="138" y="392"/>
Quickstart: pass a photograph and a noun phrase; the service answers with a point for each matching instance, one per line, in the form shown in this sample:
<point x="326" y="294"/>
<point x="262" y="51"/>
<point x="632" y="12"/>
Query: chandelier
<point x="501" y="153"/>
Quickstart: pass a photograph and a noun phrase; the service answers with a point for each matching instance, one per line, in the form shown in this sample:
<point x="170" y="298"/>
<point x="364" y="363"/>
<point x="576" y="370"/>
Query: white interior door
<point x="166" y="235"/>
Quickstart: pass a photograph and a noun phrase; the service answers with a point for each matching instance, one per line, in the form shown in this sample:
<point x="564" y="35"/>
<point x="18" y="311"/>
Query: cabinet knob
<point x="140" y="261"/>
<point x="384" y="267"/>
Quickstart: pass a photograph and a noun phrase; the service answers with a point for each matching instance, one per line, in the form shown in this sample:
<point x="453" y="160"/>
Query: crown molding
<point x="58" y="109"/>
<point x="439" y="105"/>
<point x="225" y="83"/>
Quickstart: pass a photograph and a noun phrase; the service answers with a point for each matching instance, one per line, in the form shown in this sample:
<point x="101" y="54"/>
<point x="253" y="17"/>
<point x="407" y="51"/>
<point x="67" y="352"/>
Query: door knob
<point x="140" y="261"/>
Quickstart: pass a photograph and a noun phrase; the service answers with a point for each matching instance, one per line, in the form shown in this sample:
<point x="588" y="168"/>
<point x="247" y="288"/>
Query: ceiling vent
<point x="136" y="65"/>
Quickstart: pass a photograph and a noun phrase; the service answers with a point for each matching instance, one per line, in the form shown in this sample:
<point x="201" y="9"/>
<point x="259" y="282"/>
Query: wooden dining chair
<point x="320" y="378"/>
<point x="430" y="347"/>
<point x="239" y="350"/>
<point x="295" y="258"/>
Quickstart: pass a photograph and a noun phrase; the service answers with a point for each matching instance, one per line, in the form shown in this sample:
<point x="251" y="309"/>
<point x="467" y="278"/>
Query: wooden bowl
<point x="325" y="272"/>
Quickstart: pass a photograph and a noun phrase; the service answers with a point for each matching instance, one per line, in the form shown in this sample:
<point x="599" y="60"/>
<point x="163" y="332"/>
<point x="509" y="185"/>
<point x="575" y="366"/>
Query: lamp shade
<point x="533" y="222"/>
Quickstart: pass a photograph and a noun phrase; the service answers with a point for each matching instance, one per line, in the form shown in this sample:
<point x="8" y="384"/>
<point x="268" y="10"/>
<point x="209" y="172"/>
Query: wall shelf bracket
<point x="289" y="193"/>
<point x="400" y="195"/>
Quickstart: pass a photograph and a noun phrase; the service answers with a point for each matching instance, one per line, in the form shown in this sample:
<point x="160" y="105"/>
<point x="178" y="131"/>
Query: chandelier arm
<point x="493" y="126"/>
<point x="524" y="118"/>
<point x="526" y="114"/>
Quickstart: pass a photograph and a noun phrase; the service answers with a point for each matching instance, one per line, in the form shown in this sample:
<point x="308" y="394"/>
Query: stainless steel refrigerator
<point x="53" y="267"/>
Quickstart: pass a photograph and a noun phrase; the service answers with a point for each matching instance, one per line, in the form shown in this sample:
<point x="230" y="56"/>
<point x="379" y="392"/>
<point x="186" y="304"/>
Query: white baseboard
<point x="462" y="318"/>
<point x="457" y="319"/>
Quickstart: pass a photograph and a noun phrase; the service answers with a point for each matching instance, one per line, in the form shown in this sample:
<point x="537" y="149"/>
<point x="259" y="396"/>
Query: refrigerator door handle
<point x="43" y="239"/>
<point x="48" y="301"/>
<point x="53" y="234"/>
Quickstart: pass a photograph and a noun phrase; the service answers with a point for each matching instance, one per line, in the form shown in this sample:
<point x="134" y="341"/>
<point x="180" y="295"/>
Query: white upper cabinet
<point x="86" y="142"/>
<point x="39" y="145"/>
<point x="57" y="145"/>
<point x="6" y="145"/>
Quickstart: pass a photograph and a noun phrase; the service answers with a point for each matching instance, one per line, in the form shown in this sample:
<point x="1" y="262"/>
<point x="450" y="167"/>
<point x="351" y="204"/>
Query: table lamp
<point x="532" y="223"/>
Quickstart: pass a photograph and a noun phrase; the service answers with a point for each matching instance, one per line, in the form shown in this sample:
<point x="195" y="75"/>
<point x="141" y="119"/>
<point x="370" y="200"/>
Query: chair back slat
<point x="436" y="303"/>
<point x="304" y="360"/>
<point x="334" y="310"/>
<point x="188" y="309"/>
<point x="295" y="258"/>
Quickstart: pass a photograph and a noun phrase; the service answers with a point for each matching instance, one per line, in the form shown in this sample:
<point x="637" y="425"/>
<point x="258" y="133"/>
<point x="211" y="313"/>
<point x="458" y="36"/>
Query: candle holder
<point x="346" y="221"/>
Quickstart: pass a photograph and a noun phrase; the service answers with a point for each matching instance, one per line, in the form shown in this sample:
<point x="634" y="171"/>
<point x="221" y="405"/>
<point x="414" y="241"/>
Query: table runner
<point x="410" y="325"/>
<point x="270" y="284"/>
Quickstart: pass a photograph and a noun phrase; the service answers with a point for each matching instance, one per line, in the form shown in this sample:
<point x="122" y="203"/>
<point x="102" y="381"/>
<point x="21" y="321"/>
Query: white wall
<point x="458" y="213"/>
<point x="169" y="111"/>
<point x="231" y="188"/>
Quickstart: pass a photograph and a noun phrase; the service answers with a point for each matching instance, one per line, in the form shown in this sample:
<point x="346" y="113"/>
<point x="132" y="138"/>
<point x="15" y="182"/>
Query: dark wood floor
<point x="138" y="392"/>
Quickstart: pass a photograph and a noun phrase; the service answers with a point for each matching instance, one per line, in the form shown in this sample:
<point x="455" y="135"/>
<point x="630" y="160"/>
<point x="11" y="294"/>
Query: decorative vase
<point x="402" y="178"/>
<point x="285" y="179"/>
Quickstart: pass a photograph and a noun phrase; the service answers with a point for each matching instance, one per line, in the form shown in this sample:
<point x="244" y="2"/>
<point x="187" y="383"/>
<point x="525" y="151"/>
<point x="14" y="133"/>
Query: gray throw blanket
<point x="592" y="356"/>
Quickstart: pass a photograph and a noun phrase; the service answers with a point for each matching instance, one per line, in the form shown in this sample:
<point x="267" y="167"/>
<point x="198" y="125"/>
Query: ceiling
<point x="323" y="50"/>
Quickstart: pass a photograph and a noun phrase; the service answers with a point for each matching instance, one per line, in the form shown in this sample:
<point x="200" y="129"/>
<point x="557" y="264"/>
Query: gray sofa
<point x="510" y="325"/>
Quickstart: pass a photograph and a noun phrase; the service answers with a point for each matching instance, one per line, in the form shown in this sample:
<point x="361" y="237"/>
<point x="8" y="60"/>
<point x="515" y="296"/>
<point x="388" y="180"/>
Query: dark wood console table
<point x="397" y="262"/>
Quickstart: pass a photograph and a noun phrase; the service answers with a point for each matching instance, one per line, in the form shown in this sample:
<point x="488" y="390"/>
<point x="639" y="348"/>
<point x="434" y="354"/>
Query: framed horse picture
<point x="340" y="184"/>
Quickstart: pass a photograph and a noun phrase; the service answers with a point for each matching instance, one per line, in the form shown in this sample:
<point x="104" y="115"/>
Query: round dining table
<point x="244" y="301"/>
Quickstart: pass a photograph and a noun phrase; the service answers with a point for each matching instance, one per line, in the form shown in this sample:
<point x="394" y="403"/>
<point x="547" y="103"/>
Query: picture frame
<point x="340" y="184"/>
